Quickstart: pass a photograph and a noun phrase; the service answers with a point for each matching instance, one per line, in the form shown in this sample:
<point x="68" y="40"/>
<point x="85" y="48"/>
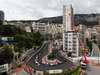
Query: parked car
<point x="83" y="66"/>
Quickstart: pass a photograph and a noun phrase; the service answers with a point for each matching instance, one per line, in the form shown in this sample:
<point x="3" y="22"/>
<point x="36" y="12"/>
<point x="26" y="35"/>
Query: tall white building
<point x="68" y="20"/>
<point x="70" y="36"/>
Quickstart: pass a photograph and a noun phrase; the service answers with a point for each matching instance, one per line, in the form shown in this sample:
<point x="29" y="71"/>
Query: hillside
<point x="86" y="19"/>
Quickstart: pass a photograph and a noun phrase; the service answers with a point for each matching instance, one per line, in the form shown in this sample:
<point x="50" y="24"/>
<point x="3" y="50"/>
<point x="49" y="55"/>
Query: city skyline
<point x="35" y="9"/>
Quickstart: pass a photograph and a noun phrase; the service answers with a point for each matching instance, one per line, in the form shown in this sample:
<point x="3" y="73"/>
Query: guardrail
<point x="25" y="54"/>
<point x="37" y="51"/>
<point x="28" y="58"/>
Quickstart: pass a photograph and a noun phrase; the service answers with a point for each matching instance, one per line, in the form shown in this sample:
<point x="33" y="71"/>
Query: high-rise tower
<point x="68" y="20"/>
<point x="70" y="36"/>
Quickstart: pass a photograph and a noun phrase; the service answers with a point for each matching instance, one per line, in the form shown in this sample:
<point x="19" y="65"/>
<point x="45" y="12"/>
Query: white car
<point x="37" y="62"/>
<point x="83" y="66"/>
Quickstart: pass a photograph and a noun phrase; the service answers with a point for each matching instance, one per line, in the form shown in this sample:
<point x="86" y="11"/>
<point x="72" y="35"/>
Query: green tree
<point x="89" y="44"/>
<point x="28" y="40"/>
<point x="9" y="30"/>
<point x="7" y="53"/>
<point x="52" y="55"/>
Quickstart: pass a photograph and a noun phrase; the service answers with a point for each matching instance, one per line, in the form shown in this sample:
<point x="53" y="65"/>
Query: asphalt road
<point x="32" y="53"/>
<point x="93" y="70"/>
<point x="63" y="65"/>
<point x="39" y="66"/>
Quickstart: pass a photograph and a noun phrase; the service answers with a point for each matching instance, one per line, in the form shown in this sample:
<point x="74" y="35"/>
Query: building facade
<point x="41" y="27"/>
<point x="46" y="28"/>
<point x="27" y="28"/>
<point x="1" y="17"/>
<point x="71" y="43"/>
<point x="55" y="28"/>
<point x="70" y="36"/>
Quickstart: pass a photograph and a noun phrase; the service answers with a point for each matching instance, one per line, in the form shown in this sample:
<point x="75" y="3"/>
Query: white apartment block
<point x="55" y="28"/>
<point x="71" y="43"/>
<point x="27" y="28"/>
<point x="70" y="36"/>
<point x="46" y="28"/>
<point x="41" y="27"/>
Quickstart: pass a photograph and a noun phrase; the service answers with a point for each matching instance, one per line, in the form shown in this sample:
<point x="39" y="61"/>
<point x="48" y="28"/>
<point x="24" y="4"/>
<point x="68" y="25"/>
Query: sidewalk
<point x="23" y="70"/>
<point x="94" y="69"/>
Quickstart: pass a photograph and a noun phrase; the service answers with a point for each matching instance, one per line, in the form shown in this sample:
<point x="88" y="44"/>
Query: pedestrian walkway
<point x="23" y="70"/>
<point x="94" y="70"/>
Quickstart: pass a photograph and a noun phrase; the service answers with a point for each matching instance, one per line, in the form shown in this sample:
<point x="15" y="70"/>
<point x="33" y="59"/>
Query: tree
<point x="7" y="54"/>
<point x="89" y="44"/>
<point x="9" y="30"/>
<point x="28" y="40"/>
<point x="22" y="41"/>
<point x="52" y="55"/>
<point x="37" y="39"/>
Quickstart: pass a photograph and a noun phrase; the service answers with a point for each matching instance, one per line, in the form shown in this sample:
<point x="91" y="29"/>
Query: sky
<point x="35" y="9"/>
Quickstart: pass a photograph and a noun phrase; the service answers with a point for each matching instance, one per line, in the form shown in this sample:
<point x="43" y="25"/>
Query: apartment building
<point x="55" y="28"/>
<point x="70" y="36"/>
<point x="46" y="28"/>
<point x="41" y="27"/>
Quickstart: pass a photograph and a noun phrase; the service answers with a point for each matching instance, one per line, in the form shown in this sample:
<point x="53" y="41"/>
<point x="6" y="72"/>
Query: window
<point x="66" y="41"/>
<point x="70" y="49"/>
<point x="70" y="42"/>
<point x="74" y="41"/>
<point x="66" y="44"/>
<point x="74" y="48"/>
<point x="66" y="37"/>
<point x="74" y="34"/>
<point x="74" y="38"/>
<point x="69" y="35"/>
<point x="66" y="48"/>
<point x="74" y="44"/>
<point x="74" y="51"/>
<point x="70" y="45"/>
<point x="66" y="34"/>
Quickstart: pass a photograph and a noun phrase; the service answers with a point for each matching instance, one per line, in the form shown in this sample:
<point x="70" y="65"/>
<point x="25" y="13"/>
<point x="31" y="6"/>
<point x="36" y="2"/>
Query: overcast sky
<point x="35" y="9"/>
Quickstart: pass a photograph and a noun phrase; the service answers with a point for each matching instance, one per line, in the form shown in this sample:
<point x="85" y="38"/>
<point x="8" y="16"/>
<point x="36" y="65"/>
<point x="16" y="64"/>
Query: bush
<point x="52" y="55"/>
<point x="75" y="71"/>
